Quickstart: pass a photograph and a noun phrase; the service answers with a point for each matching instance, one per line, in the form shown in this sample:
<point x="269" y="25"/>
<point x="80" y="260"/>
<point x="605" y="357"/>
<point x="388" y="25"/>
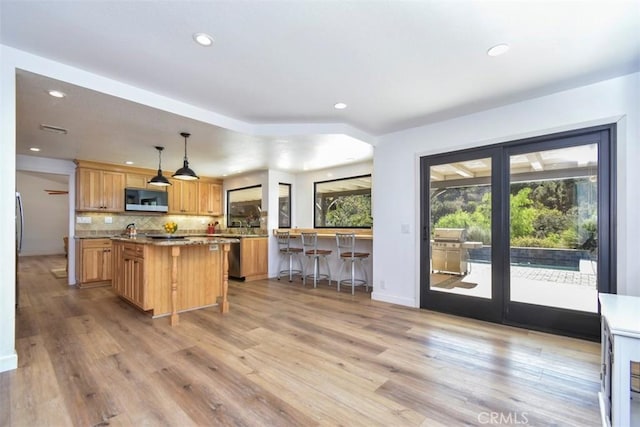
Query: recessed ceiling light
<point x="498" y="50"/>
<point x="203" y="39"/>
<point x="57" y="93"/>
<point x="34" y="149"/>
<point x="340" y="106"/>
<point x="128" y="162"/>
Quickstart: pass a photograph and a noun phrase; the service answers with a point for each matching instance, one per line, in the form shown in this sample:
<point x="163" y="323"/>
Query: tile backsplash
<point x="144" y="223"/>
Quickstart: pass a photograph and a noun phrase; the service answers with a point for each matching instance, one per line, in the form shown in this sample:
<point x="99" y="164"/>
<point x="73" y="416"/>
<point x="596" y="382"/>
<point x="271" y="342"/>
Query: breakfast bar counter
<point x="361" y="233"/>
<point x="166" y="274"/>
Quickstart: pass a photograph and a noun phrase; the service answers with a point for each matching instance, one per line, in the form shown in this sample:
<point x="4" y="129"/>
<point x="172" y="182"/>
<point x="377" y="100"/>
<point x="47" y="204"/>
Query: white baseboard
<point x="9" y="362"/>
<point x="407" y="302"/>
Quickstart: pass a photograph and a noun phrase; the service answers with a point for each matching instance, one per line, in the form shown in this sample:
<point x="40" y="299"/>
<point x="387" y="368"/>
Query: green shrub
<point x="458" y="219"/>
<point x="534" y="242"/>
<point x="477" y="233"/>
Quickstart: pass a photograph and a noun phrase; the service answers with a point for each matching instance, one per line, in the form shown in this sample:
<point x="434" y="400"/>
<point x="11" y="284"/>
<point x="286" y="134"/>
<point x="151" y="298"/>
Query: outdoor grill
<point x="448" y="251"/>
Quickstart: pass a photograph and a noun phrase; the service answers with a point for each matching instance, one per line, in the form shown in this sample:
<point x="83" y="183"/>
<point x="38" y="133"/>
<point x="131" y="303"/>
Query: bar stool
<point x="286" y="251"/>
<point x="346" y="252"/>
<point x="311" y="251"/>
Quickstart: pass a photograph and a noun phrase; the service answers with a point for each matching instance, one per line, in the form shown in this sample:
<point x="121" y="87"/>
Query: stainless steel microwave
<point x="136" y="199"/>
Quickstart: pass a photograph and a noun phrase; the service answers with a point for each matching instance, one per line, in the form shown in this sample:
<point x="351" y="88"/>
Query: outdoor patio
<point x="574" y="290"/>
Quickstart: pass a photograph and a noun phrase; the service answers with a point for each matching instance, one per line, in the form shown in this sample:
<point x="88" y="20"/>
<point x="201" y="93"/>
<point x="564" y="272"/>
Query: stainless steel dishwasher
<point x="234" y="261"/>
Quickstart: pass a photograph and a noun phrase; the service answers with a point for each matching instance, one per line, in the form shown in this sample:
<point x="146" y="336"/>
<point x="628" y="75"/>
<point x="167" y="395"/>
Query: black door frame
<point x="478" y="308"/>
<point x="499" y="309"/>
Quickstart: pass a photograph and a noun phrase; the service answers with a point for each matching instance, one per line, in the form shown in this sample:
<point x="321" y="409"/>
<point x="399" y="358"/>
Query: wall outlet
<point x="404" y="228"/>
<point x="108" y="220"/>
<point x="382" y="285"/>
<point x="83" y="220"/>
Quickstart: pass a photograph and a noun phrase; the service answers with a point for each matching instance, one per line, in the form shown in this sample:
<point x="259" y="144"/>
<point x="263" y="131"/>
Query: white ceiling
<point x="397" y="64"/>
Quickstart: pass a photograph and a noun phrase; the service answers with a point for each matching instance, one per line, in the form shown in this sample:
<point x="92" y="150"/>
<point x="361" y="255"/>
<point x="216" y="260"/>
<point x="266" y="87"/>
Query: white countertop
<point x="622" y="313"/>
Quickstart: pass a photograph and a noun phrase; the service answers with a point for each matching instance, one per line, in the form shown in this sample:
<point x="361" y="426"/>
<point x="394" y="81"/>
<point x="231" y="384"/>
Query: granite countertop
<point x="176" y="241"/>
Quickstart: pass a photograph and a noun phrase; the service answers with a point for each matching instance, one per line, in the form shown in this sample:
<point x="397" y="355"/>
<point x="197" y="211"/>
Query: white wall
<point x="396" y="165"/>
<point x="46" y="216"/>
<point x="275" y="178"/>
<point x="8" y="356"/>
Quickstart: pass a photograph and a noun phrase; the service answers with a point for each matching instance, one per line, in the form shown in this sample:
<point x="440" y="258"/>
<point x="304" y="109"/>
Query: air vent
<point x="53" y="129"/>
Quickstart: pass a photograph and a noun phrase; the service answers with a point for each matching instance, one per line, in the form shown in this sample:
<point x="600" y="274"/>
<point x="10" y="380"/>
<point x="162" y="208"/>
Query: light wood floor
<point x="284" y="355"/>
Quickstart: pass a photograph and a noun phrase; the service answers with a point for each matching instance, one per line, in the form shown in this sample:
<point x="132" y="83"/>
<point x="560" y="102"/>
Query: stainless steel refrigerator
<point x="19" y="234"/>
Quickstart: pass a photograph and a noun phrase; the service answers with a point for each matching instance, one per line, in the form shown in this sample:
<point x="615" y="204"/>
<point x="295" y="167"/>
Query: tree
<point x="522" y="213"/>
<point x="349" y="211"/>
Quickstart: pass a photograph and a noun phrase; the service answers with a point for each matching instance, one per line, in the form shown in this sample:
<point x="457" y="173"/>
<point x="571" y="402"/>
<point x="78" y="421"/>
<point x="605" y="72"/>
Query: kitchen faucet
<point x="131" y="229"/>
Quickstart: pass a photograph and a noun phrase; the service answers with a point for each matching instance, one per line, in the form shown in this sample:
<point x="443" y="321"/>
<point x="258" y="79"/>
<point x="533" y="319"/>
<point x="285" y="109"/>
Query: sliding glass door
<point x="521" y="233"/>
<point x="457" y="235"/>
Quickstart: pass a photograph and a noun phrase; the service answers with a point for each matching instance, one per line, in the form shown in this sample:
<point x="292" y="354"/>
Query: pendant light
<point x="159" y="180"/>
<point x="185" y="172"/>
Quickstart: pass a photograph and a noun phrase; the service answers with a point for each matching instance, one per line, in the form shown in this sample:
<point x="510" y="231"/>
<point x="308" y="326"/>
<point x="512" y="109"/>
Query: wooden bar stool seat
<point x="311" y="251"/>
<point x="346" y="243"/>
<point x="288" y="253"/>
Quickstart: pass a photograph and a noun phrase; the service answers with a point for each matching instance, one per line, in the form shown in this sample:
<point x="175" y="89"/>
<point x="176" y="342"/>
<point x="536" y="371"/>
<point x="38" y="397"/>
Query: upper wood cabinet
<point x="137" y="180"/>
<point x="210" y="198"/>
<point x="99" y="190"/>
<point x="183" y="197"/>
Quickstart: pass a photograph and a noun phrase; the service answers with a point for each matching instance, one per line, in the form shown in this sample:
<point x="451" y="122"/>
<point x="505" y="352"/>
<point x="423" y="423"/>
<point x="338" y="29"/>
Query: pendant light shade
<point x="159" y="180"/>
<point x="185" y="172"/>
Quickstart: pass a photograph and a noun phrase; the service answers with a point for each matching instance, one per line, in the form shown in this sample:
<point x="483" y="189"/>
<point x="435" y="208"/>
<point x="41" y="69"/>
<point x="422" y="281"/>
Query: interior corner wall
<point x="273" y="206"/>
<point x="397" y="185"/>
<point x="8" y="355"/>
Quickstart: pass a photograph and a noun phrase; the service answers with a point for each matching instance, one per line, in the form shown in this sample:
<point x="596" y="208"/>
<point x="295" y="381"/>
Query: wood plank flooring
<point x="283" y="356"/>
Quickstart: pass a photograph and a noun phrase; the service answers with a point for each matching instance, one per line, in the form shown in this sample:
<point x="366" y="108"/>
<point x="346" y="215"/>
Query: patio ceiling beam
<point x="462" y="171"/>
<point x="436" y="176"/>
<point x="536" y="162"/>
<point x="518" y="175"/>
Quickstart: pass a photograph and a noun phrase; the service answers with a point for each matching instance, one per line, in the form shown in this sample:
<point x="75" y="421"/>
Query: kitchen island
<point x="170" y="274"/>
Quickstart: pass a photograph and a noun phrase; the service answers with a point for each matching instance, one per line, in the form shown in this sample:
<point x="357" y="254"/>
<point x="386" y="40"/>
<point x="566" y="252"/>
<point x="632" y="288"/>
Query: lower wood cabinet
<point x="249" y="259"/>
<point x="93" y="262"/>
<point x="145" y="273"/>
<point x="129" y="279"/>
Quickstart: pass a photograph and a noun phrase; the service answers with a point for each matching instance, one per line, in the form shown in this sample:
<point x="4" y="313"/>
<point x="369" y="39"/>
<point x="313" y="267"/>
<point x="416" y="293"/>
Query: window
<point x="343" y="203"/>
<point x="284" y="205"/>
<point x="244" y="207"/>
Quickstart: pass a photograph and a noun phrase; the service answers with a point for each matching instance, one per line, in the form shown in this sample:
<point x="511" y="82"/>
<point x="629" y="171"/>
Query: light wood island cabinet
<point x="164" y="277"/>
<point x="99" y="190"/>
<point x="129" y="278"/>
<point x="93" y="262"/>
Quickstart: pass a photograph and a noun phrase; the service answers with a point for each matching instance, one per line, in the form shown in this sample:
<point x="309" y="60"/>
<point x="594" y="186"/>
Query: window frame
<point x="315" y="196"/>
<point x="229" y="223"/>
<point x="288" y="205"/>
